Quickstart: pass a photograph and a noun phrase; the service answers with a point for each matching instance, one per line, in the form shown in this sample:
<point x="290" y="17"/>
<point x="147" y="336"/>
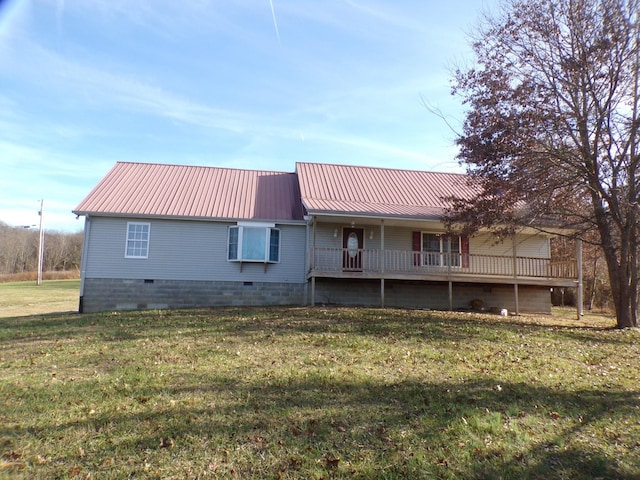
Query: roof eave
<point x="187" y="218"/>
<point x="371" y="215"/>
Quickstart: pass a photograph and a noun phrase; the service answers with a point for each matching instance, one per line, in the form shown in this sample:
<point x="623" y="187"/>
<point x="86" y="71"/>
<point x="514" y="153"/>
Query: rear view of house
<point x="168" y="236"/>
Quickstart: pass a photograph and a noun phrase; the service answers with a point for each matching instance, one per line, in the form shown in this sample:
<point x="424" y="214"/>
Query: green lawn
<point x="311" y="393"/>
<point x="27" y="298"/>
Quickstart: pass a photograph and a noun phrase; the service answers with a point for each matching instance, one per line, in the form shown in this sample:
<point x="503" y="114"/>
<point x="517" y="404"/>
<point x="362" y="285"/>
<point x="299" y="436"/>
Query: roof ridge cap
<point x="216" y="167"/>
<point x="435" y="172"/>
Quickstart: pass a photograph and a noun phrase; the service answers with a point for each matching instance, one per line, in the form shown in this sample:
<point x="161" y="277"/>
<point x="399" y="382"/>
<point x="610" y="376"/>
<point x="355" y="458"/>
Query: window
<point x="254" y="243"/>
<point x="274" y="245"/>
<point x="435" y="250"/>
<point x="137" y="240"/>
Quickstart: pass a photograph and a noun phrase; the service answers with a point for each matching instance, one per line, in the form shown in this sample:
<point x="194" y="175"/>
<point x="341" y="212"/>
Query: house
<point x="169" y="236"/>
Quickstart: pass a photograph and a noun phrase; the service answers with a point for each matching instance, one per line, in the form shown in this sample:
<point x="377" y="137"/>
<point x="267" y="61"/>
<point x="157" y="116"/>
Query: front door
<point x="352" y="245"/>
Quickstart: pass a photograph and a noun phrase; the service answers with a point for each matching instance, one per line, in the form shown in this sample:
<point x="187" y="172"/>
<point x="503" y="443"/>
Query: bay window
<point x="254" y="242"/>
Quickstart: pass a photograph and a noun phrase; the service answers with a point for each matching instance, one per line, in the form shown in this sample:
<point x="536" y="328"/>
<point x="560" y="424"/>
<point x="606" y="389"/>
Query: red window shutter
<point x="416" y="245"/>
<point x="464" y="250"/>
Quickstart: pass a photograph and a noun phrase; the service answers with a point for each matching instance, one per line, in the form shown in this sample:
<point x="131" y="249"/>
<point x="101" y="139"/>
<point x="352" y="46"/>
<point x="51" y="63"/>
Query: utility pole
<point x="40" y="245"/>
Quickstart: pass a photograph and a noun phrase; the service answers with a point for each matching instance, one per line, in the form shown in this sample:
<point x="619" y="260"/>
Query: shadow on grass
<point x="404" y="430"/>
<point x="431" y="325"/>
<point x="312" y="417"/>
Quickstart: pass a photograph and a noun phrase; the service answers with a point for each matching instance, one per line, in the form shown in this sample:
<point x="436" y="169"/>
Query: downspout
<point x="83" y="261"/>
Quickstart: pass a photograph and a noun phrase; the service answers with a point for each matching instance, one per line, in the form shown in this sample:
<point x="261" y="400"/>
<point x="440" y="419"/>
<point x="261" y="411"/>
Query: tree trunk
<point x="619" y="259"/>
<point x="621" y="289"/>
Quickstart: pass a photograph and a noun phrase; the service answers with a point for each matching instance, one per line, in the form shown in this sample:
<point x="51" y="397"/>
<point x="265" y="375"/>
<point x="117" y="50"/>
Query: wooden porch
<point x="449" y="268"/>
<point x="410" y="265"/>
<point x="397" y="250"/>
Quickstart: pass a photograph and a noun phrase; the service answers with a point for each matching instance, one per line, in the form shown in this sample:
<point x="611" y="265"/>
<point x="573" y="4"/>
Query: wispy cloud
<point x="208" y="82"/>
<point x="30" y="173"/>
<point x="110" y="89"/>
<point x="382" y="13"/>
<point x="100" y="89"/>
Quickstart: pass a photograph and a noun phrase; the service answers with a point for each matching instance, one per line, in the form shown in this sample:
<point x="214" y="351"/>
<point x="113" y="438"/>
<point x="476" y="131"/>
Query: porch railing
<point x="373" y="261"/>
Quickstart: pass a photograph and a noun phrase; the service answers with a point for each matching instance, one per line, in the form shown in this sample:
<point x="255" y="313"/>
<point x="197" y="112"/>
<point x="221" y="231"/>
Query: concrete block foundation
<point x="431" y="295"/>
<point x="103" y="294"/>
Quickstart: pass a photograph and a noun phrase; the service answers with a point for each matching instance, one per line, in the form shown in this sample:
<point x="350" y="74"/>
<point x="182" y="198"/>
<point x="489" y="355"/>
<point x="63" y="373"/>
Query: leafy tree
<point x="550" y="135"/>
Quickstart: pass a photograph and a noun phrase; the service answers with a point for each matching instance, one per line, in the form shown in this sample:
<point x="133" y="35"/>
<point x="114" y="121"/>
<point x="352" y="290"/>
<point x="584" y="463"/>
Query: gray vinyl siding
<point x="534" y="246"/>
<point x="400" y="238"/>
<point x="188" y="250"/>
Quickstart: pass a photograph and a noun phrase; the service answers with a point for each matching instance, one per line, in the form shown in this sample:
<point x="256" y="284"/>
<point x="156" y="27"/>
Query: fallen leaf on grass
<point x="11" y="461"/>
<point x="12" y="465"/>
<point x="332" y="462"/>
<point x="12" y="456"/>
<point x="75" y="471"/>
<point x="166" y="442"/>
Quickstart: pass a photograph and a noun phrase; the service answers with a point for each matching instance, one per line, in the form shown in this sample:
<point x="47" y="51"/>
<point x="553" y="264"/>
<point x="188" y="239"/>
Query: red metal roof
<point x="149" y="189"/>
<point x="343" y="189"/>
<point x="179" y="191"/>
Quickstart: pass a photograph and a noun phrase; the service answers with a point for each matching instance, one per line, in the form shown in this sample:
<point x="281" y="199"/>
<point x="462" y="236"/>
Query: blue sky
<point x="255" y="84"/>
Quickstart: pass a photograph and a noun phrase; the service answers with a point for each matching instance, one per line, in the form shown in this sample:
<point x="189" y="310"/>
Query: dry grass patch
<point x="27" y="298"/>
<point x="316" y="393"/>
<point x="33" y="276"/>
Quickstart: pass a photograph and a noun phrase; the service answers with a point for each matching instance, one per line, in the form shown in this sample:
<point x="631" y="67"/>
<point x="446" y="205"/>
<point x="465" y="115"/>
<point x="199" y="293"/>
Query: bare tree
<point x="19" y="250"/>
<point x="62" y="251"/>
<point x="551" y="131"/>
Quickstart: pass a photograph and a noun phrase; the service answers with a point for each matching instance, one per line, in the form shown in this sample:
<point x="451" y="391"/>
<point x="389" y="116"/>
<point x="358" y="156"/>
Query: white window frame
<point x="147" y="240"/>
<point x="443" y="253"/>
<point x="268" y="229"/>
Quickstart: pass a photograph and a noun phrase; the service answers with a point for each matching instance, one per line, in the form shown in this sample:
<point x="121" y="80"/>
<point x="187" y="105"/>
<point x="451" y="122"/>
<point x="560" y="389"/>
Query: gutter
<point x="192" y="219"/>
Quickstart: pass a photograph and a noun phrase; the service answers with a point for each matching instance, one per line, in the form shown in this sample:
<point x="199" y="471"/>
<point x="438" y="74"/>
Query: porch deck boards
<point x="434" y="277"/>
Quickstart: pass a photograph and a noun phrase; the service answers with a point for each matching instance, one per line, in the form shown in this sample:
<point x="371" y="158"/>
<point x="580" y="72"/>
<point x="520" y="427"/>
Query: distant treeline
<point x="19" y="250"/>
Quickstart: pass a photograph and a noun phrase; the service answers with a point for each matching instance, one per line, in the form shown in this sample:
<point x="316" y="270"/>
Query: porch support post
<point x="449" y="262"/>
<point x="382" y="263"/>
<point x="579" y="300"/>
<point x="515" y="275"/>
<point x="312" y="261"/>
